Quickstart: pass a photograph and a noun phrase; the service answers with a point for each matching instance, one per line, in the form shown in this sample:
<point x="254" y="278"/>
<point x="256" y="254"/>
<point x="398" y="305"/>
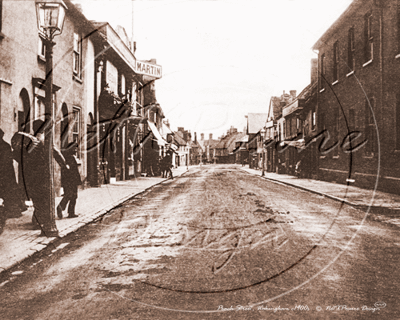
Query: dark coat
<point x="8" y="182"/>
<point x="70" y="178"/>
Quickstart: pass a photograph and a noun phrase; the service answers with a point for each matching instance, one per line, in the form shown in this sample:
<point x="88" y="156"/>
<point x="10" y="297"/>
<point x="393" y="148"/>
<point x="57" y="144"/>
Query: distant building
<point x="255" y="122"/>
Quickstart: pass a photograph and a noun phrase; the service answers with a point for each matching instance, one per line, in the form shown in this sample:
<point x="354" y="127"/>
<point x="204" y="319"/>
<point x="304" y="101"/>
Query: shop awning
<point x="295" y="143"/>
<point x="156" y="133"/>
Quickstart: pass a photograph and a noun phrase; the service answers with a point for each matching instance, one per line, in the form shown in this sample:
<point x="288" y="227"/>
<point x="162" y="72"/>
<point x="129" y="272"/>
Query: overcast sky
<point x="222" y="59"/>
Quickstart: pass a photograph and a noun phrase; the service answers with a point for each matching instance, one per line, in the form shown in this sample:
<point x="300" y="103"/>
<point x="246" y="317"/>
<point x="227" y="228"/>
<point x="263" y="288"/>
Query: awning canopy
<point x="296" y="143"/>
<point x="156" y="133"/>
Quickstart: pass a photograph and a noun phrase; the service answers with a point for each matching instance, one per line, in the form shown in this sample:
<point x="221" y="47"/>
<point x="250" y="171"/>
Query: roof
<point x="351" y="9"/>
<point x="229" y="141"/>
<point x="179" y="138"/>
<point x="255" y="121"/>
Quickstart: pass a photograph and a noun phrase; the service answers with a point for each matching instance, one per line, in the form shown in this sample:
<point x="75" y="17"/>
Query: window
<point x="370" y="147"/>
<point x="351" y="61"/>
<point x="398" y="26"/>
<point x="41" y="48"/>
<point x="335" y="130"/>
<point x="1" y="15"/>
<point x="76" y="120"/>
<point x="398" y="122"/>
<point x="77" y="55"/>
<point x="335" y="61"/>
<point x="39" y="108"/>
<point x="369" y="44"/>
<point x="322" y="81"/>
<point x="314" y="120"/>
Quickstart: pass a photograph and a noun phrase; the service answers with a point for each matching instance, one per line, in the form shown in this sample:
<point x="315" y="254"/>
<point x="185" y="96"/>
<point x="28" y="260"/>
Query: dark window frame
<point x="369" y="38"/>
<point x="77" y="55"/>
<point x="335" y="65"/>
<point x="351" y="56"/>
<point x="322" y="71"/>
<point x="369" y="127"/>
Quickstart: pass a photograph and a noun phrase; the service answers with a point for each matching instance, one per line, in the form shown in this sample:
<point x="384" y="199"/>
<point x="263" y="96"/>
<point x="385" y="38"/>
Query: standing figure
<point x="36" y="175"/>
<point x="167" y="164"/>
<point x="70" y="180"/>
<point x="12" y="198"/>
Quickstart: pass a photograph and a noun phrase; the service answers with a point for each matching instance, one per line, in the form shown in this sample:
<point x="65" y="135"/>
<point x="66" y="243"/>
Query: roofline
<point x="328" y="33"/>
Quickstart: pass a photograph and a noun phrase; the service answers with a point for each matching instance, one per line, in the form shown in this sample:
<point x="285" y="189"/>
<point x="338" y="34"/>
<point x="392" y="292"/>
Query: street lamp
<point x="50" y="16"/>
<point x="262" y="132"/>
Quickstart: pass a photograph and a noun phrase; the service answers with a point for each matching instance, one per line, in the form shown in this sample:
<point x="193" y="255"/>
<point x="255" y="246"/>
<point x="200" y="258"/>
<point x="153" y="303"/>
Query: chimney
<point x="78" y="6"/>
<point x="195" y="137"/>
<point x="210" y="136"/>
<point x="293" y="94"/>
<point x="201" y="136"/>
<point x="314" y="70"/>
<point x="180" y="129"/>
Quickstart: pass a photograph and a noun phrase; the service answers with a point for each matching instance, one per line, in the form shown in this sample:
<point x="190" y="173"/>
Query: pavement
<point x="371" y="201"/>
<point x="19" y="240"/>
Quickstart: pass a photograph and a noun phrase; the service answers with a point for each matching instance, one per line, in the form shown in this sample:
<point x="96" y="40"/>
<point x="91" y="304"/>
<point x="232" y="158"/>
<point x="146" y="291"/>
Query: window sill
<point x="322" y="157"/>
<point x="368" y="157"/>
<point x="335" y="157"/>
<point x="336" y="82"/>
<point x="77" y="79"/>
<point x="350" y="74"/>
<point x="397" y="56"/>
<point x="322" y="90"/>
<point x="367" y="63"/>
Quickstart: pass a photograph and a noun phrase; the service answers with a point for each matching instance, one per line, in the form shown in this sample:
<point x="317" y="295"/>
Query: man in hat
<point x="34" y="161"/>
<point x="70" y="180"/>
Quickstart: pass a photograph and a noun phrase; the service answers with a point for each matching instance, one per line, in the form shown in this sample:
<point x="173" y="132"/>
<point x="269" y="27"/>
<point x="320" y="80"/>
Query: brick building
<point x="358" y="115"/>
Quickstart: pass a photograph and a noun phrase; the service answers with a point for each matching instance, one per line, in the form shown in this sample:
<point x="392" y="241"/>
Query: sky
<point x="221" y="59"/>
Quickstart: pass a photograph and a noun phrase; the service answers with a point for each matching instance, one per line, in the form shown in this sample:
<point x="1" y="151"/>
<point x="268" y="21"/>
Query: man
<point x="9" y="190"/>
<point x="167" y="164"/>
<point x="70" y="180"/>
<point x="34" y="161"/>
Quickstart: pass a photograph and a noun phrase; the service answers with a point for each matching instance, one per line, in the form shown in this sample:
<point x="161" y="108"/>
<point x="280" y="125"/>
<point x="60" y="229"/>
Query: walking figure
<point x="70" y="180"/>
<point x="166" y="165"/>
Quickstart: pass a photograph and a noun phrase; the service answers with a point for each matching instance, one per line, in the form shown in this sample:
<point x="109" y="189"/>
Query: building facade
<point x="358" y="114"/>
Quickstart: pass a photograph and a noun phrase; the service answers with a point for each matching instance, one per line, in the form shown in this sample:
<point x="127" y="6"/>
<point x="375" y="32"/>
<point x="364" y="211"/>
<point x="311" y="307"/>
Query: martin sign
<point x="148" y="69"/>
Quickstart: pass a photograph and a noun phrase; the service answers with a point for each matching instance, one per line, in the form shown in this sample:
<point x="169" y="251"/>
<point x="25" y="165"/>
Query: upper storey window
<point x="369" y="38"/>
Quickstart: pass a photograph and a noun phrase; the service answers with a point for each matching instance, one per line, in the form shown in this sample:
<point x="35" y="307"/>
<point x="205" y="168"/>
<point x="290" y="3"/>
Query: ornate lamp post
<point x="50" y="16"/>
<point x="262" y="133"/>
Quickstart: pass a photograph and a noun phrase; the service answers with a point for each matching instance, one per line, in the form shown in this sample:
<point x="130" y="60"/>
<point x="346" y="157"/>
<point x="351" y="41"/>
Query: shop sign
<point x="148" y="69"/>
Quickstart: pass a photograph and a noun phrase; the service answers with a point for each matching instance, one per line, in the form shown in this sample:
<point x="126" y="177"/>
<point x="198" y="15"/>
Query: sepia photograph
<point x="199" y="159"/>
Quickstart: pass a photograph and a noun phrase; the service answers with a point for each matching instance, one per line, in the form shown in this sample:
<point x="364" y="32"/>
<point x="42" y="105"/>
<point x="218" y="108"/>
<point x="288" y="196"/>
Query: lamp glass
<point x="50" y="16"/>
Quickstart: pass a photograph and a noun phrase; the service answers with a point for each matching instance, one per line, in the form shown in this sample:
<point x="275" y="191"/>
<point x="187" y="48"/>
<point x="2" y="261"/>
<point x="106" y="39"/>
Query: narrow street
<point x="216" y="243"/>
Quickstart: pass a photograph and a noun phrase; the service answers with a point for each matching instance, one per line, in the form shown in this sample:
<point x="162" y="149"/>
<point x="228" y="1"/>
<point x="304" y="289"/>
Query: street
<point x="216" y="243"/>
